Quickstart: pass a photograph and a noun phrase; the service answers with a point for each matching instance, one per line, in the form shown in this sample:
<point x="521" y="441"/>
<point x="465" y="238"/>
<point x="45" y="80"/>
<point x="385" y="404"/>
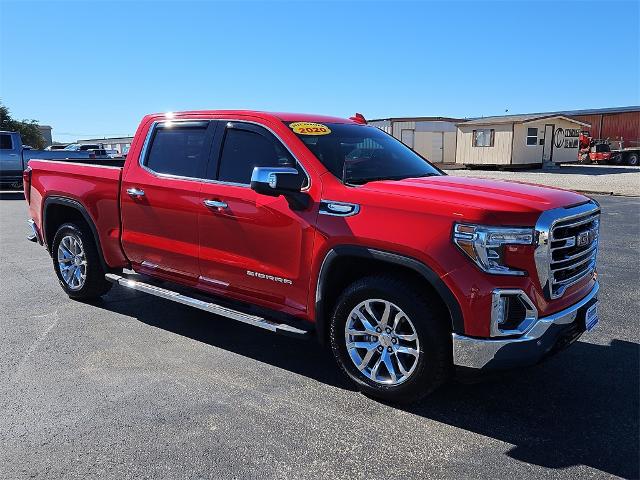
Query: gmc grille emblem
<point x="585" y="238"/>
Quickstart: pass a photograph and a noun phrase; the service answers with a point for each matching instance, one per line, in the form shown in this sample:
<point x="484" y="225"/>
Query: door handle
<point x="135" y="192"/>
<point x="215" y="203"/>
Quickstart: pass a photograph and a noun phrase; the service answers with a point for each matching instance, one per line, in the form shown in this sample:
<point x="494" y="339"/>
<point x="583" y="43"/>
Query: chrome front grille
<point x="567" y="247"/>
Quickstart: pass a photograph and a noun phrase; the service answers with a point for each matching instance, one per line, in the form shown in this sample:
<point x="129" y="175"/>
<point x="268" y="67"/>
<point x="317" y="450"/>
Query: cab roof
<point x="282" y="116"/>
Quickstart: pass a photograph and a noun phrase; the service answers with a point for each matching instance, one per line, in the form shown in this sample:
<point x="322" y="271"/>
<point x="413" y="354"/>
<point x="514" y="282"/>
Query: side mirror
<point x="275" y="181"/>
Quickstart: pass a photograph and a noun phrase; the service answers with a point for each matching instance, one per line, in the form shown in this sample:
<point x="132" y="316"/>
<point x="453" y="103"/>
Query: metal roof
<point x="597" y="111"/>
<point x="417" y="119"/>
<point x="518" y="119"/>
<point x="515" y="118"/>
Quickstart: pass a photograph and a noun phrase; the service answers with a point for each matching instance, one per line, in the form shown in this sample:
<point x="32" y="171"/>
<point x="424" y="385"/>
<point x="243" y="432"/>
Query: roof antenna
<point x="359" y="118"/>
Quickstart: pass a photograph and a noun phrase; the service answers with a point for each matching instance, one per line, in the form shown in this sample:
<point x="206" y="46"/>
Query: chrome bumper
<point x="543" y="337"/>
<point x="33" y="235"/>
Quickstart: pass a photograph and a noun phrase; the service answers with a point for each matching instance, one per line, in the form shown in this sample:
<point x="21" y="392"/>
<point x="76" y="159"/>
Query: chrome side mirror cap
<point x="275" y="181"/>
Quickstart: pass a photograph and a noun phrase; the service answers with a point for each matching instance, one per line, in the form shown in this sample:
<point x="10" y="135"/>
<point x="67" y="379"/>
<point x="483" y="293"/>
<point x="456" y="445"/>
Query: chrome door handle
<point x="215" y="204"/>
<point x="135" y="192"/>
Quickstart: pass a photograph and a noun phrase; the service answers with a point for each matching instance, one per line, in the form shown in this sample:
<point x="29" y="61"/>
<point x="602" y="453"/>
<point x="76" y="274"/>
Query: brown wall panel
<point x="615" y="126"/>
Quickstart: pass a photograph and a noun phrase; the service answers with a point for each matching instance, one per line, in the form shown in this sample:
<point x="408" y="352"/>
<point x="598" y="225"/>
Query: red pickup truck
<point x="307" y="224"/>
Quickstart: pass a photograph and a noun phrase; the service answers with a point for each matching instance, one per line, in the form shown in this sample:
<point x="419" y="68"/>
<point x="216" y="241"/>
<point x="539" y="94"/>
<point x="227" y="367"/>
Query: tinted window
<point x="178" y="151"/>
<point x="5" y="142"/>
<point x="360" y="153"/>
<point x="244" y="149"/>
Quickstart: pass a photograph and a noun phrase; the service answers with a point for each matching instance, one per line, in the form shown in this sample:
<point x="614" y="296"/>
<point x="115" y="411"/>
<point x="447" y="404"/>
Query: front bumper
<point x="545" y="336"/>
<point x="34" y="234"/>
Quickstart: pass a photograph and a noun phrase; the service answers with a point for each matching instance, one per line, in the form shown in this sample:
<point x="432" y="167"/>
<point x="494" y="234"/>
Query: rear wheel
<point x="77" y="263"/>
<point x="633" y="159"/>
<point x="391" y="339"/>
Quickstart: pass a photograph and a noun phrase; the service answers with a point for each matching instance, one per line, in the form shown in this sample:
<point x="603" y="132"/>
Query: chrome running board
<point x="210" y="307"/>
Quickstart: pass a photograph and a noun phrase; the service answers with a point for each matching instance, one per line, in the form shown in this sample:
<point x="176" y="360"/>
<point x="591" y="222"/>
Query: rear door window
<point x="180" y="149"/>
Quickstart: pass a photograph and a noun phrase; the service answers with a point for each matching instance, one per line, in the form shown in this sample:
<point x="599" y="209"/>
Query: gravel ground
<point x="137" y="387"/>
<point x="605" y="179"/>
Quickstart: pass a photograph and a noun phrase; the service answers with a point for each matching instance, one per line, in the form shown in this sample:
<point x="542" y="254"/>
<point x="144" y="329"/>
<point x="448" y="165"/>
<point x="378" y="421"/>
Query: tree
<point x="28" y="129"/>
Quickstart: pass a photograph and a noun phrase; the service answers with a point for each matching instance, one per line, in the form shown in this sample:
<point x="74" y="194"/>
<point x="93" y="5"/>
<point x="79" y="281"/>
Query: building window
<point x="532" y="136"/>
<point x="484" y="137"/>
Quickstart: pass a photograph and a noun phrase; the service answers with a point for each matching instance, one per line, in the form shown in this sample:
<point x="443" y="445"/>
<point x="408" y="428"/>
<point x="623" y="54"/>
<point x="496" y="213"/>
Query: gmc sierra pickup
<point x="307" y="224"/>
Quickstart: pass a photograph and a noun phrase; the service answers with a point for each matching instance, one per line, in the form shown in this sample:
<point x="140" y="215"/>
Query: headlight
<point x="485" y="245"/>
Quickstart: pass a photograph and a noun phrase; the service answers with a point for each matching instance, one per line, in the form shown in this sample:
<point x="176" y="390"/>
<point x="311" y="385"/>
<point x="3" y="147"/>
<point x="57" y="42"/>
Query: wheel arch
<point x="57" y="210"/>
<point x="341" y="260"/>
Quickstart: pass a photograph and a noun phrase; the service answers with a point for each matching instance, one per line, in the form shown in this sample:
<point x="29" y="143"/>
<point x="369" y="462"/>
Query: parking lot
<point x="594" y="179"/>
<point x="137" y="387"/>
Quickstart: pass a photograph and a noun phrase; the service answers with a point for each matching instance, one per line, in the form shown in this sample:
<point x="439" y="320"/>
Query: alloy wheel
<point x="72" y="262"/>
<point x="382" y="342"/>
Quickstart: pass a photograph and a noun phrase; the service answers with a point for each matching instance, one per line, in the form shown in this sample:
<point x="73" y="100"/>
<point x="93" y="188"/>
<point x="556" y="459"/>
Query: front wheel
<point x="391" y="339"/>
<point x="77" y="263"/>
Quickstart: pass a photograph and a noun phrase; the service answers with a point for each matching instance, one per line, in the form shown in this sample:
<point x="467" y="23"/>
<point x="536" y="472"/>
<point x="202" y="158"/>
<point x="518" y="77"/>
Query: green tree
<point x="28" y="129"/>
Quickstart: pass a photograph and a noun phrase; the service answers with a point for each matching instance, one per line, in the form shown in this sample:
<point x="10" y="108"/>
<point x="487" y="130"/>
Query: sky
<point x="94" y="68"/>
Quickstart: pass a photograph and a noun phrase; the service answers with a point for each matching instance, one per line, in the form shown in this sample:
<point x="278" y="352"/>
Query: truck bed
<point x="107" y="162"/>
<point x="91" y="183"/>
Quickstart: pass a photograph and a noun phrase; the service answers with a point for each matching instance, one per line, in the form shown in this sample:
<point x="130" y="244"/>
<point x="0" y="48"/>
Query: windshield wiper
<point x="363" y="180"/>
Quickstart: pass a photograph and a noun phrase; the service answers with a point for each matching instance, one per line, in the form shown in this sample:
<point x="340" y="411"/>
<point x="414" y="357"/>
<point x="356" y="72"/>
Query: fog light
<point x="512" y="313"/>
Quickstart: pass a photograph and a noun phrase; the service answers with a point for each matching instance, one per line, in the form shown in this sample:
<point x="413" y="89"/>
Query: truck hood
<point x="482" y="195"/>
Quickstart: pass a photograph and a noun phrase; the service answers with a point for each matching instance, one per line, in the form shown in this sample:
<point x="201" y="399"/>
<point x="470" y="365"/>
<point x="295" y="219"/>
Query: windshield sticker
<point x="309" y="128"/>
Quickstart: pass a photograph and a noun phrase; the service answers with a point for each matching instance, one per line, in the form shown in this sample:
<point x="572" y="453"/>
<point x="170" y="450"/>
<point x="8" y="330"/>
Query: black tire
<point x="434" y="363"/>
<point x="95" y="285"/>
<point x="633" y="159"/>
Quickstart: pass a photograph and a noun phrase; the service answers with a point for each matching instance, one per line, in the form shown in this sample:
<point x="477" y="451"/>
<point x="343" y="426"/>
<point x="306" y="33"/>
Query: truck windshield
<point x="358" y="154"/>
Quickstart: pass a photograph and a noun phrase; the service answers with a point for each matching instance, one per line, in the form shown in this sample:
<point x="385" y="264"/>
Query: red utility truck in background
<point x="304" y="224"/>
<point x="599" y="151"/>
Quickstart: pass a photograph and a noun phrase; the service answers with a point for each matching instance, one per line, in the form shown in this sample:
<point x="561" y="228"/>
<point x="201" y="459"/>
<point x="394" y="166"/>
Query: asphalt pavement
<point x="137" y="387"/>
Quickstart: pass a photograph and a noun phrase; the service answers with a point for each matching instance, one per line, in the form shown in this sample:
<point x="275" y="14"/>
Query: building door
<point x="406" y="137"/>
<point x="547" y="149"/>
<point x="437" y="147"/>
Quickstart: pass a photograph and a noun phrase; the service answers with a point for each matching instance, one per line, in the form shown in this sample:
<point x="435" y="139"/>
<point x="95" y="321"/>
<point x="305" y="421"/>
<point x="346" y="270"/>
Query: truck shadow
<point x="11" y="195"/>
<point x="592" y="170"/>
<point x="579" y="408"/>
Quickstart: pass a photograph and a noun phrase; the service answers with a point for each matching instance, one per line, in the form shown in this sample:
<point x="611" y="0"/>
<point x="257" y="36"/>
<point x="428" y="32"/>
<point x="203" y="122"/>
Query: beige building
<point x="518" y="140"/>
<point x="432" y="137"/>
